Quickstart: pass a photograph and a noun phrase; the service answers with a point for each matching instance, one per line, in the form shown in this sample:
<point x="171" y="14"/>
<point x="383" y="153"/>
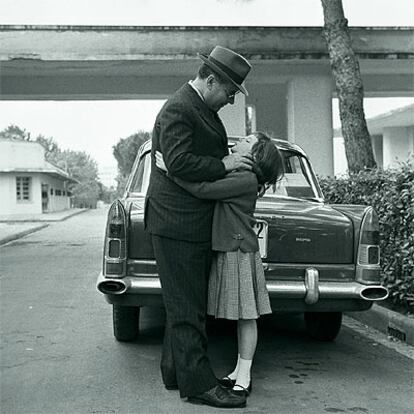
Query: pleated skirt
<point x="237" y="286"/>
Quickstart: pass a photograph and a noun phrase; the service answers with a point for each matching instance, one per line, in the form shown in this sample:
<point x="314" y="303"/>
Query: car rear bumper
<point x="294" y="295"/>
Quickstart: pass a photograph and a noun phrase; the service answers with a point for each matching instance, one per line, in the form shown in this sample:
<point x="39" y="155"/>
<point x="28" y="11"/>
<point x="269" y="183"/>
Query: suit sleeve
<point x="176" y="134"/>
<point x="225" y="189"/>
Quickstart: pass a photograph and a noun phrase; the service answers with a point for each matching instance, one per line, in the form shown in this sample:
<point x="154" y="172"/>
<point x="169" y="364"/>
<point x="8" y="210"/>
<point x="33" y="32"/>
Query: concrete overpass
<point x="290" y="85"/>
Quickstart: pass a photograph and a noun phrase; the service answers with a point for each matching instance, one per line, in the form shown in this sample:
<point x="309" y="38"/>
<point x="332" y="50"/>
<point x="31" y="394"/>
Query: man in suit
<point x="193" y="141"/>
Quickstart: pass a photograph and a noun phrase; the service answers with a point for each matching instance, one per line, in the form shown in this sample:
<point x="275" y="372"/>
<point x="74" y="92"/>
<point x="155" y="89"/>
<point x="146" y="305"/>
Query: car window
<point x="141" y="179"/>
<point x="298" y="180"/>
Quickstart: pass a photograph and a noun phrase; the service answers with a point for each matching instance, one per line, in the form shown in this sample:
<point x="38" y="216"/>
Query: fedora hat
<point x="228" y="64"/>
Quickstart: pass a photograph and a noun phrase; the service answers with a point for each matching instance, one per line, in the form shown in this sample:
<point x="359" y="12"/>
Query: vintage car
<point x="319" y="259"/>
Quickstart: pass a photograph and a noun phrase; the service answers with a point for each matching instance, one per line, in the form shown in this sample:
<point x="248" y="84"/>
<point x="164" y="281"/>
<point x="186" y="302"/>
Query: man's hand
<point x="237" y="161"/>
<point x="159" y="161"/>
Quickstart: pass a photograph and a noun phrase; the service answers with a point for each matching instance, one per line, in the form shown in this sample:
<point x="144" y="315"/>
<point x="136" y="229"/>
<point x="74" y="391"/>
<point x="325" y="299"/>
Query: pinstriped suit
<point x="192" y="140"/>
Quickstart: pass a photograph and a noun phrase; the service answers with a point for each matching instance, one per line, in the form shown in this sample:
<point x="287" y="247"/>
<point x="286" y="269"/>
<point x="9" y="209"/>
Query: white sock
<point x="243" y="375"/>
<point x="233" y="375"/>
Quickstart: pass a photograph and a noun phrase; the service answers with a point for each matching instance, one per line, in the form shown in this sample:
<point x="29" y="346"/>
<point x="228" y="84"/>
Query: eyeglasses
<point x="230" y="96"/>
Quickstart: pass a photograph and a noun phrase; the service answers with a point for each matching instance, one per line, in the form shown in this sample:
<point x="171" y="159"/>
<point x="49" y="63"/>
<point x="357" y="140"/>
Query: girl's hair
<point x="268" y="161"/>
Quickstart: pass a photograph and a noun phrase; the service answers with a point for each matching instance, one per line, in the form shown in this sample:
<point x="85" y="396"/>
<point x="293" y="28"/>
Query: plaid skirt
<point x="237" y="287"/>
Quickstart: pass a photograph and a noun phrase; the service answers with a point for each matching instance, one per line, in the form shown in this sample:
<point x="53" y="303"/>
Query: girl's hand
<point x="159" y="161"/>
<point x="237" y="161"/>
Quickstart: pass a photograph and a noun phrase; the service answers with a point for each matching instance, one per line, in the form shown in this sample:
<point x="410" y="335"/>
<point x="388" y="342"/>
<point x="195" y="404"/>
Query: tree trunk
<point x="345" y="68"/>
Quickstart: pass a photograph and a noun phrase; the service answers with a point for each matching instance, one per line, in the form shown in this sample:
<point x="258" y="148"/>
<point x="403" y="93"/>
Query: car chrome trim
<point x="273" y="266"/>
<point x="311" y="285"/>
<point x="276" y="288"/>
<point x="268" y="266"/>
<point x="142" y="262"/>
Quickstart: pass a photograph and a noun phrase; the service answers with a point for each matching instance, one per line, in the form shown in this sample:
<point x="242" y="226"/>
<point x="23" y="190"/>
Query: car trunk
<point x="298" y="232"/>
<point x="139" y="241"/>
<point x="305" y="232"/>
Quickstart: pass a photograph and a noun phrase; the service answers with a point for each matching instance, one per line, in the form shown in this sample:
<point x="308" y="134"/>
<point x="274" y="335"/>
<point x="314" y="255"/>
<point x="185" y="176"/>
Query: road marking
<point x="379" y="337"/>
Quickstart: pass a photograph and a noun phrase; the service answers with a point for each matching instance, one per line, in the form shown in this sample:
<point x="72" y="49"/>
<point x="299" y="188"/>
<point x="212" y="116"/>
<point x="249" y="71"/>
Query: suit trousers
<point x="184" y="270"/>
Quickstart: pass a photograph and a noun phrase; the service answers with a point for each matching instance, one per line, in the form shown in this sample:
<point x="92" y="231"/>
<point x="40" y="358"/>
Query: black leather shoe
<point x="241" y="390"/>
<point x="219" y="397"/>
<point x="226" y="382"/>
<point x="171" y="387"/>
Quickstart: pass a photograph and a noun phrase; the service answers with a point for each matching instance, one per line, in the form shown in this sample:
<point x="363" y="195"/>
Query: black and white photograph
<point x="206" y="206"/>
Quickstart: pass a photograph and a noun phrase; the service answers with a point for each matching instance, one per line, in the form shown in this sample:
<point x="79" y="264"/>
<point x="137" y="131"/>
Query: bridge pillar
<point x="234" y="117"/>
<point x="309" y="119"/>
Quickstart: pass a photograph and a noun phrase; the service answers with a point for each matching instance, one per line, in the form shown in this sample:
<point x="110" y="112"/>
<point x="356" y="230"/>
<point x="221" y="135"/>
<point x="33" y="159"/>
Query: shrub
<point x="391" y="193"/>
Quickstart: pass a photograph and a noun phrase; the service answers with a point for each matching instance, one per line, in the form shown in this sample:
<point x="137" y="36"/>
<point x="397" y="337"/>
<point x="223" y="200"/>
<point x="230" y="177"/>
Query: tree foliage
<point x="52" y="150"/>
<point x="15" y="133"/>
<point x="391" y="193"/>
<point x="349" y="87"/>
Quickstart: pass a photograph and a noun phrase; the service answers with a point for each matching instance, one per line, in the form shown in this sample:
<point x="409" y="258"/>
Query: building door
<point x="45" y="198"/>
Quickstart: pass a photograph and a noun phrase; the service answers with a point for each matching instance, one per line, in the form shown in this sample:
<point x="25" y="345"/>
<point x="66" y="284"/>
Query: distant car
<point x="319" y="259"/>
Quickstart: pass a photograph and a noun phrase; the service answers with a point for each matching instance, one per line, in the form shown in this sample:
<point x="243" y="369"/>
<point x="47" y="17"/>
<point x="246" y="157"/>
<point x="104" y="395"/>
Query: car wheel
<point x="323" y="326"/>
<point x="126" y="322"/>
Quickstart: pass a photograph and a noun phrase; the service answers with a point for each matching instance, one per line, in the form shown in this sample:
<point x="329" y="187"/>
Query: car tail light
<point x="115" y="242"/>
<point x="368" y="259"/>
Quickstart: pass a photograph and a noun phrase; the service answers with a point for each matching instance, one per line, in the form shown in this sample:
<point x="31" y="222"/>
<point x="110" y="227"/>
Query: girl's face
<point x="245" y="145"/>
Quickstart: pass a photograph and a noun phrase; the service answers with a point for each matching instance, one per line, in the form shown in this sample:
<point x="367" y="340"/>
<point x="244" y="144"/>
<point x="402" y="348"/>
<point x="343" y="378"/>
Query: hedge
<point x="391" y="193"/>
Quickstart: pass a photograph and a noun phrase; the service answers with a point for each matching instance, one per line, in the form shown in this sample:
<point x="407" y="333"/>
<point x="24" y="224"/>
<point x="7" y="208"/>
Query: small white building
<point x="392" y="137"/>
<point x="29" y="185"/>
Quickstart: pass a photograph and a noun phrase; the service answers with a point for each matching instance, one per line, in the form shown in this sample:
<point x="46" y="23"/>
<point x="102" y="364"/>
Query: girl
<point x="237" y="287"/>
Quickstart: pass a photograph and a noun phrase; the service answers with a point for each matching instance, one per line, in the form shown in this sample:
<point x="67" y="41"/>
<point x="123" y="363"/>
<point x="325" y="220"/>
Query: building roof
<point x="400" y="117"/>
<point x="49" y="169"/>
<point x="20" y="156"/>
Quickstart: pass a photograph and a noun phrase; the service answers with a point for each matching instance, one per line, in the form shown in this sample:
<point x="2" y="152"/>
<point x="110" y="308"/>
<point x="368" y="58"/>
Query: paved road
<point x="58" y="355"/>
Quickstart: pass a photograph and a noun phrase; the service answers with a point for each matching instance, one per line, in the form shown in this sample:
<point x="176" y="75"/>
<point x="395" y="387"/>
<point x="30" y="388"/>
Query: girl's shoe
<point x="226" y="382"/>
<point x="242" y="391"/>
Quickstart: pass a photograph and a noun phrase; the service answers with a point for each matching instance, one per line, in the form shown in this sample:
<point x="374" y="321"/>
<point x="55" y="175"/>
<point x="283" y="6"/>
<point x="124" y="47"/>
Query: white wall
<point x="398" y="144"/>
<point x="4" y="193"/>
<point x="56" y="203"/>
<point x="340" y="161"/>
<point x="10" y="206"/>
<point x="234" y="117"/>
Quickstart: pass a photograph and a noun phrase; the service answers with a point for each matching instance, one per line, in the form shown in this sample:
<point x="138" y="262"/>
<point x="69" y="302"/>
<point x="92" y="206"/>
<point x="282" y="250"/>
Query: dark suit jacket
<point x="192" y="140"/>
<point x="233" y="220"/>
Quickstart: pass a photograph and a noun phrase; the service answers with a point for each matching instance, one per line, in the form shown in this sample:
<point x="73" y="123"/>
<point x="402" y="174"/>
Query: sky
<point x="103" y="123"/>
<point x="202" y="12"/>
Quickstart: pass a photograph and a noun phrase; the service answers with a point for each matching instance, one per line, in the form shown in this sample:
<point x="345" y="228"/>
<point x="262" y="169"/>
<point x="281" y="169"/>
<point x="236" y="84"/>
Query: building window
<point x="58" y="192"/>
<point x="23" y="188"/>
<point x="51" y="191"/>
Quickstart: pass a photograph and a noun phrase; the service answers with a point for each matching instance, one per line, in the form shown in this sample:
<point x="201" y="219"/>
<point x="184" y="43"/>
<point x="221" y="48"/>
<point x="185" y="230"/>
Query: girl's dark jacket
<point x="233" y="218"/>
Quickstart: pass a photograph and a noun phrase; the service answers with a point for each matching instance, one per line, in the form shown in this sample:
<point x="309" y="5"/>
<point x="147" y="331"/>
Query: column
<point x="233" y="116"/>
<point x="309" y="113"/>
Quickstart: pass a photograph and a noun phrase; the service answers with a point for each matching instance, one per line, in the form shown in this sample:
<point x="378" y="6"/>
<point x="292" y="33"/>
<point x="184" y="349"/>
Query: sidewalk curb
<point x="75" y="213"/>
<point x="45" y="219"/>
<point x="16" y="236"/>
<point x="387" y="321"/>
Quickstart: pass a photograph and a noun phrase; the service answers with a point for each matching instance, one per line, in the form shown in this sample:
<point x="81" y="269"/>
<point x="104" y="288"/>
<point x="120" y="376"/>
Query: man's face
<point x="219" y="94"/>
